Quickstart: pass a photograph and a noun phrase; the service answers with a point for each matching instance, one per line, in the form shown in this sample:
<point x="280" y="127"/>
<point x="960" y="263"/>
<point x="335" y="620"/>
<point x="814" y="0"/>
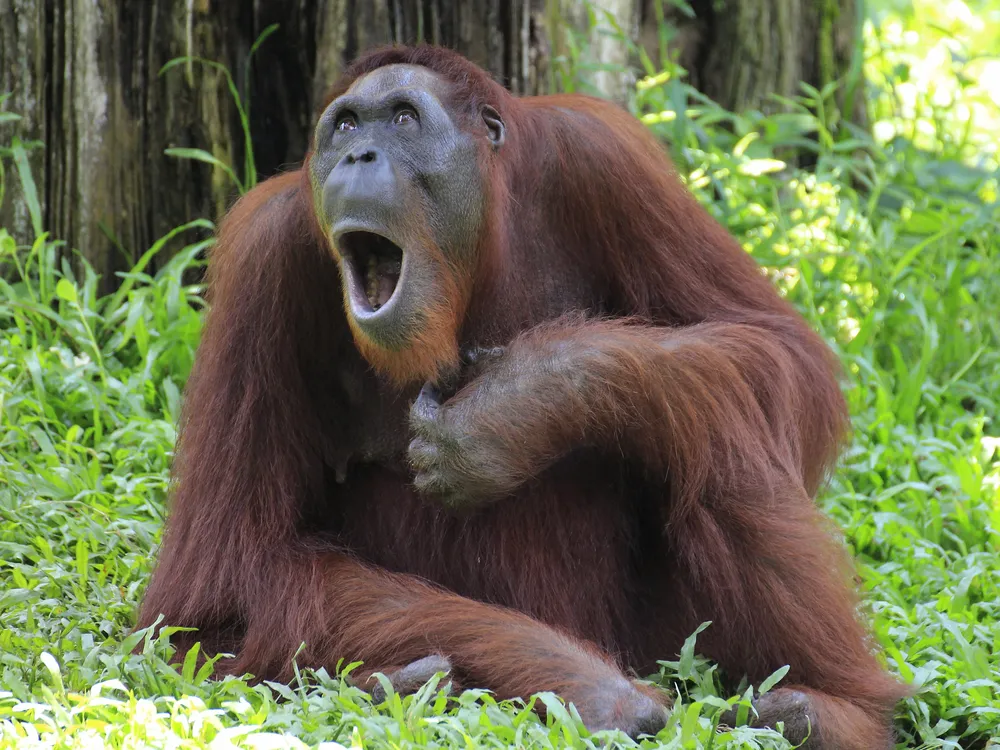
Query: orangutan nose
<point x="362" y="187"/>
<point x="365" y="155"/>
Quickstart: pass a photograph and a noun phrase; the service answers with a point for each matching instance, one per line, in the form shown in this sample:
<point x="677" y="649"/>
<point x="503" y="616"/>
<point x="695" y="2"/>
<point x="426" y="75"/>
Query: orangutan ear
<point x="495" y="127"/>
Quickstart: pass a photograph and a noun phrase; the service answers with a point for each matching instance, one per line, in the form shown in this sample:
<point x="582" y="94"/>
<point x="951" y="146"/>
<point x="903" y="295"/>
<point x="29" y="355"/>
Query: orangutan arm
<point x="714" y="402"/>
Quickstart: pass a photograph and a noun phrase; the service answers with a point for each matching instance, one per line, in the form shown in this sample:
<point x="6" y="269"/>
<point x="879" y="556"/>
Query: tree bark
<point x="741" y="52"/>
<point x="85" y="76"/>
<point x="591" y="38"/>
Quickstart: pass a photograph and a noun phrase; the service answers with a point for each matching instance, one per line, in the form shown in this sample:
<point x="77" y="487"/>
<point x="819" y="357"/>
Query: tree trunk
<point x="740" y="52"/>
<point x="85" y="76"/>
<point x="591" y="42"/>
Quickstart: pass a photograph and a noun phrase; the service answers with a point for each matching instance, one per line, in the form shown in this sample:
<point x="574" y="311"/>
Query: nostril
<point x="365" y="156"/>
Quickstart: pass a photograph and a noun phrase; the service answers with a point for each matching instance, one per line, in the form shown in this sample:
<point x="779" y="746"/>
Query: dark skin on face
<point x="398" y="191"/>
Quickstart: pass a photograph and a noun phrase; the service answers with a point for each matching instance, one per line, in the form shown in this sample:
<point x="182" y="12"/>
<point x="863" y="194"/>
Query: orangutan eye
<point x="346" y="122"/>
<point x="404" y="116"/>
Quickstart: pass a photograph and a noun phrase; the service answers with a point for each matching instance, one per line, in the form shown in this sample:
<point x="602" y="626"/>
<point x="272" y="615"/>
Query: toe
<point x="418" y="672"/>
<point x="412" y="677"/>
<point x="629" y="709"/>
<point x="644" y="715"/>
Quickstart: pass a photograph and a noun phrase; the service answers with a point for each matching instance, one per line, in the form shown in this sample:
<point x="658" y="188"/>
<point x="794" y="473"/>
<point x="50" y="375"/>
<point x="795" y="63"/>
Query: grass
<point x="888" y="244"/>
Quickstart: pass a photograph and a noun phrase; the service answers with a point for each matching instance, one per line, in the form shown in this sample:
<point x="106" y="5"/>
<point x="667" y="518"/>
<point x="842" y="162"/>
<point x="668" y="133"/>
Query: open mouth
<point x="375" y="263"/>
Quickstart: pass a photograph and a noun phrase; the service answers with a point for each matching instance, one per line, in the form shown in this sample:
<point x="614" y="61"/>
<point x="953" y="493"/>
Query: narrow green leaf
<point x="773" y="680"/>
<point x="82" y="560"/>
<point x="198" y="154"/>
<point x="28" y="189"/>
<point x="190" y="662"/>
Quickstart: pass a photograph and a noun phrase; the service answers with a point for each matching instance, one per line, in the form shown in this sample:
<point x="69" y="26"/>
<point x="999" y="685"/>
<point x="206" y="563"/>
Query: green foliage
<point x="887" y="243"/>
